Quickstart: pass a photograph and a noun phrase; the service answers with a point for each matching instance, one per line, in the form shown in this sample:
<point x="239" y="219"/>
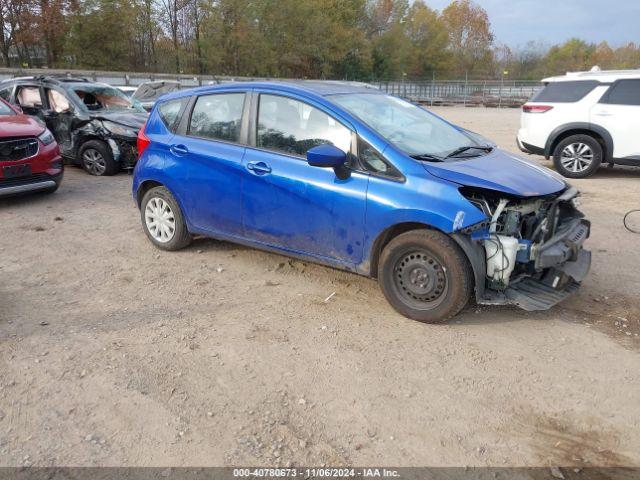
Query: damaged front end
<point x="529" y="250"/>
<point x="121" y="139"/>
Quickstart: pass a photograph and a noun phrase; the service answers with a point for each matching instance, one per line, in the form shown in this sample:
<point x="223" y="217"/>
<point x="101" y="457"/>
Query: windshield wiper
<point x="458" y="151"/>
<point x="428" y="157"/>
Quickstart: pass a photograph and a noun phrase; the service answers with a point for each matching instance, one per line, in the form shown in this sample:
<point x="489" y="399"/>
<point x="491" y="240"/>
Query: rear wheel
<point x="97" y="159"/>
<point x="163" y="221"/>
<point x="425" y="276"/>
<point x="577" y="156"/>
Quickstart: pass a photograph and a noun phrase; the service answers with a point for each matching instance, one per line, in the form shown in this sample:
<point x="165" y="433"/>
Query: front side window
<point x="58" y="102"/>
<point x="29" y="97"/>
<point x="169" y="112"/>
<point x="409" y="127"/>
<point x="218" y="117"/>
<point x="565" y="92"/>
<point x="294" y="127"/>
<point x="624" y="92"/>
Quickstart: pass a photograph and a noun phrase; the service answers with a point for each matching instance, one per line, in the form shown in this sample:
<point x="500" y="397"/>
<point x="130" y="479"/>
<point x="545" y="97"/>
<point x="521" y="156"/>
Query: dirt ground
<point x="113" y="353"/>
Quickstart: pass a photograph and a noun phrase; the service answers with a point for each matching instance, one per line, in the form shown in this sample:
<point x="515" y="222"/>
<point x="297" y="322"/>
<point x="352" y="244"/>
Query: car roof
<point x="603" y="76"/>
<point x="321" y="88"/>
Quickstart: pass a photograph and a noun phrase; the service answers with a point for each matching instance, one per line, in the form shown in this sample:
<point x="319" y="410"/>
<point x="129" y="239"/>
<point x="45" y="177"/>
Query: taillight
<point x="143" y="141"/>
<point x="536" y="108"/>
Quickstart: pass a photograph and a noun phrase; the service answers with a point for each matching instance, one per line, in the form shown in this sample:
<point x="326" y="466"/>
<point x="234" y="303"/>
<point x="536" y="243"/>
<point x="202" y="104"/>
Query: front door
<point x="619" y="113"/>
<point x="59" y="118"/>
<point x="291" y="205"/>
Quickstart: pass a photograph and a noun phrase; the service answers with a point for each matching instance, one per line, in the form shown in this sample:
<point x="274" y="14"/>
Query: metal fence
<point x="490" y="93"/>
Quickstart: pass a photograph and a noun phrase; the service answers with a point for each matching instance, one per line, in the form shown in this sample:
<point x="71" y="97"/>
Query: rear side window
<point x="218" y="117"/>
<point x="624" y="92"/>
<point x="565" y="92"/>
<point x="29" y="97"/>
<point x="169" y="113"/>
<point x="294" y="127"/>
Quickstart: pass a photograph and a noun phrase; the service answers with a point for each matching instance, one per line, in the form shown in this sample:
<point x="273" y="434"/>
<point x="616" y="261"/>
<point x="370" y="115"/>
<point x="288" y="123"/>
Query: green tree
<point x="575" y="54"/>
<point x="429" y="40"/>
<point x="101" y="34"/>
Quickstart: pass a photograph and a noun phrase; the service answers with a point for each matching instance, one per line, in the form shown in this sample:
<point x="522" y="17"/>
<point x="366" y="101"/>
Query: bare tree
<point x="171" y="13"/>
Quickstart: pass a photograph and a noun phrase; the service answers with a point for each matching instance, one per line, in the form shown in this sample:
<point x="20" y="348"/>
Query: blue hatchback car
<point x="344" y="175"/>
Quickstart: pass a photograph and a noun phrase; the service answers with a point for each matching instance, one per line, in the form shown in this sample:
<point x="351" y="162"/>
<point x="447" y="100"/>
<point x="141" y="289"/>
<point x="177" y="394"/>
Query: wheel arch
<point x="600" y="134"/>
<point x="144" y="187"/>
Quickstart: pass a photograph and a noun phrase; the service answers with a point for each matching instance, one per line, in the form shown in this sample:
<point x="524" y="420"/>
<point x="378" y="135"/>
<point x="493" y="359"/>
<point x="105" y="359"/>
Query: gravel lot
<point x="115" y="353"/>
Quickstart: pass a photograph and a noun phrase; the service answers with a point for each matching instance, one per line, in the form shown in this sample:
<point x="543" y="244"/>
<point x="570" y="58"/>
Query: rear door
<point x="205" y="161"/>
<point x="286" y="202"/>
<point x="619" y="112"/>
<point x="30" y="98"/>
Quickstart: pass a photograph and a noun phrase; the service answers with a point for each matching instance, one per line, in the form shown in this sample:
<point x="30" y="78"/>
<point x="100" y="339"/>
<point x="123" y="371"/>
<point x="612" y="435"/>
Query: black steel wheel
<point x="425" y="276"/>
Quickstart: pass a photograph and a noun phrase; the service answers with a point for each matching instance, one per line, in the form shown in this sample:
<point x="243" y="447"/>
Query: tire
<point x="425" y="276"/>
<point x="577" y="156"/>
<point x="171" y="234"/>
<point x="96" y="158"/>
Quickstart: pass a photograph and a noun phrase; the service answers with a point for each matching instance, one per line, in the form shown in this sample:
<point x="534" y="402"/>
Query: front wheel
<point x="425" y="276"/>
<point x="97" y="159"/>
<point x="577" y="156"/>
<point x="163" y="221"/>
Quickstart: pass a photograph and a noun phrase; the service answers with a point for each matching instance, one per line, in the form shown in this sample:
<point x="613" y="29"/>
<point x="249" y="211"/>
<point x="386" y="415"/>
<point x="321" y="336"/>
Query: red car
<point x="30" y="159"/>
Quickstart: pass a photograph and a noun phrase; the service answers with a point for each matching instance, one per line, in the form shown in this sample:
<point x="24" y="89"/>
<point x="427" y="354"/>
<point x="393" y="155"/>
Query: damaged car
<point x="147" y="93"/>
<point x="95" y="124"/>
<point x="350" y="177"/>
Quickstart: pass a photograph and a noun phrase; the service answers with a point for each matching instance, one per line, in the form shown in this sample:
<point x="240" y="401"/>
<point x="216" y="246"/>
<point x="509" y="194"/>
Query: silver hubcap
<point x="94" y="162"/>
<point x="160" y="220"/>
<point x="577" y="157"/>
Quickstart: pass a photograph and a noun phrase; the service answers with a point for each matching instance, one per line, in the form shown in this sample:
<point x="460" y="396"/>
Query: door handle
<point x="179" y="150"/>
<point x="259" y="168"/>
<point x="604" y="114"/>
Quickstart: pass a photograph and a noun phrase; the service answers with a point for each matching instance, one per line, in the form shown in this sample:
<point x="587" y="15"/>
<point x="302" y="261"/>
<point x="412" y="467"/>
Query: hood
<point x="134" y="120"/>
<point x="19" y="126"/>
<point x="499" y="171"/>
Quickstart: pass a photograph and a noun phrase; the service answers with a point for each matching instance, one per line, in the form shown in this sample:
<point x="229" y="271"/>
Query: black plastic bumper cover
<point x="531" y="294"/>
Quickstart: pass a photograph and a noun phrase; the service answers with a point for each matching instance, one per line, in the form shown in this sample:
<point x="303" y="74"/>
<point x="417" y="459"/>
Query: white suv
<point x="584" y="119"/>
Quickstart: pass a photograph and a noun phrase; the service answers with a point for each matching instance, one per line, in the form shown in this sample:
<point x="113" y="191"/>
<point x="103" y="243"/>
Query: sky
<point x="515" y="22"/>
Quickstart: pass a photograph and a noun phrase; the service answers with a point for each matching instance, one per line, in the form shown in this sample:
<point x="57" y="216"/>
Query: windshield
<point x="103" y="97"/>
<point x="410" y="128"/>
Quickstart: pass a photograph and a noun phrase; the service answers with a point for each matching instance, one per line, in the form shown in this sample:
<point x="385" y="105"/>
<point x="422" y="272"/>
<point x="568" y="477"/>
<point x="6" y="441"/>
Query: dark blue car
<point x="347" y="176"/>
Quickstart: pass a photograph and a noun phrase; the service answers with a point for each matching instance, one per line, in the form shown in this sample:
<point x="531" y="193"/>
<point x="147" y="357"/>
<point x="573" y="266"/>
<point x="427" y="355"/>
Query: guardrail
<point x="490" y="93"/>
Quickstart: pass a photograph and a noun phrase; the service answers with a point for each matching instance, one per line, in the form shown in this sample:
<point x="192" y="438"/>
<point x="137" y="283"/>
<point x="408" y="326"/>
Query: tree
<point x="171" y="13"/>
<point x="429" y="40"/>
<point x="575" y="54"/>
<point x="470" y="37"/>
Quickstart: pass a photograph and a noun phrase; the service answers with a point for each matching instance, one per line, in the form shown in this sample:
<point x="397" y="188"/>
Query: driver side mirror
<point x="329" y="156"/>
<point x="326" y="156"/>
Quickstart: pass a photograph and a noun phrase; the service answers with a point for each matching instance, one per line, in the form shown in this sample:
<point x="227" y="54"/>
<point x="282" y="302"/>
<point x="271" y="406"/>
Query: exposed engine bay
<point x="532" y="247"/>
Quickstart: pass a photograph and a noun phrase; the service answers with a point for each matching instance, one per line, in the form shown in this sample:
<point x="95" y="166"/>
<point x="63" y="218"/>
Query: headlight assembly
<point x="46" y="137"/>
<point x="118" y="129"/>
